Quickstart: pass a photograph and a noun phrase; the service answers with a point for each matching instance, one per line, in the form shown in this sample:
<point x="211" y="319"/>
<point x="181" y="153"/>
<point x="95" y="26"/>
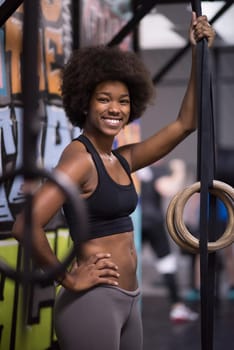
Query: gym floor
<point x="160" y="333"/>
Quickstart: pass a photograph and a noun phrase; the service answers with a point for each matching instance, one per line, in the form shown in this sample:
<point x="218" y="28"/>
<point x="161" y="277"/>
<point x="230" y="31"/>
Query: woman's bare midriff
<point x="123" y="253"/>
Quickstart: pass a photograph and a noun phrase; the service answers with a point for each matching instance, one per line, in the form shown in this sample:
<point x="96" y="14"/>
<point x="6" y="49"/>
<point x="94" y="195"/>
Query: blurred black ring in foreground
<point x="79" y="228"/>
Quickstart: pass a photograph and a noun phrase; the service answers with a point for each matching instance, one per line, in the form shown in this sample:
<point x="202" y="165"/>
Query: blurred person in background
<point x="159" y="182"/>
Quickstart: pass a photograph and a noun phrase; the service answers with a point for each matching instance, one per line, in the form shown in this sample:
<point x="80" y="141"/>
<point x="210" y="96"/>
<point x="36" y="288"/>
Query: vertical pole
<point x="205" y="174"/>
<point x="30" y="80"/>
<point x="31" y="125"/>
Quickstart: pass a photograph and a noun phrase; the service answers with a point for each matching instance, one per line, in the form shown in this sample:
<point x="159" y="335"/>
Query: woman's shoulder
<point x="74" y="150"/>
<point x="76" y="161"/>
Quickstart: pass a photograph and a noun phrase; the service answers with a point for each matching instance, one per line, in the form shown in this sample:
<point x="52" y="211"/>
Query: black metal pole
<point x="139" y="13"/>
<point x="31" y="126"/>
<point x="7" y="9"/>
<point x="30" y="83"/>
<point x="205" y="169"/>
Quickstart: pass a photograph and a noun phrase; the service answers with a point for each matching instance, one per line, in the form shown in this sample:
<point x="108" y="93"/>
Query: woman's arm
<point x="187" y="117"/>
<point x="46" y="202"/>
<point x="161" y="143"/>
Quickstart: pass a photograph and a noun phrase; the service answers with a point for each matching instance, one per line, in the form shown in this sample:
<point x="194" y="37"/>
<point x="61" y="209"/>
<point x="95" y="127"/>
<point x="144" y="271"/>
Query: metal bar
<point x="140" y="12"/>
<point x="31" y="126"/>
<point x="7" y="9"/>
<point x="76" y="14"/>
<point x="30" y="83"/>
<point x="157" y="77"/>
<point x="206" y="170"/>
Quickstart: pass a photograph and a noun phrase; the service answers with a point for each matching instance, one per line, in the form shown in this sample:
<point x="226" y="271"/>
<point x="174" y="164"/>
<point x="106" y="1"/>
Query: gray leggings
<point x="102" y="318"/>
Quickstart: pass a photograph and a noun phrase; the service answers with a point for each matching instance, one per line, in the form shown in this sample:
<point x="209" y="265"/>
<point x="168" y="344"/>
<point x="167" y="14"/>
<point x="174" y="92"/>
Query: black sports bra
<point x="110" y="205"/>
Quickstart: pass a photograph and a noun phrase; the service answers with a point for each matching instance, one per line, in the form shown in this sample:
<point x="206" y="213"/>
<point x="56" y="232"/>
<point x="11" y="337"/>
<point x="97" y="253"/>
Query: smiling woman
<point x="103" y="89"/>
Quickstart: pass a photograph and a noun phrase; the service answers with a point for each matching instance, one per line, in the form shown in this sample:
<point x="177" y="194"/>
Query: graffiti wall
<point x="55" y="32"/>
<point x="99" y="21"/>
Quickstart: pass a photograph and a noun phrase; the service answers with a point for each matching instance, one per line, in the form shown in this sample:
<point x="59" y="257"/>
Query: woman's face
<point x="109" y="107"/>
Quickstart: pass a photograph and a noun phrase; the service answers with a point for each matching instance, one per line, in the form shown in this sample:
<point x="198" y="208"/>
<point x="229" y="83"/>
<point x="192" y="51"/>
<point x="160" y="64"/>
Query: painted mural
<point x="100" y="20"/>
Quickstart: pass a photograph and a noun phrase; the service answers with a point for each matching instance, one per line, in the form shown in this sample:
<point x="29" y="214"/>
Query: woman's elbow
<point x="189" y="128"/>
<point x="192" y="129"/>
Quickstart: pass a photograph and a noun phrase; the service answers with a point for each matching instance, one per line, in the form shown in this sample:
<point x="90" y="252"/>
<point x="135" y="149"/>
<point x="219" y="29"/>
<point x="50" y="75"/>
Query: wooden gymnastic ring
<point x="192" y="244"/>
<point x="170" y="223"/>
<point x="225" y="240"/>
<point x="226" y="194"/>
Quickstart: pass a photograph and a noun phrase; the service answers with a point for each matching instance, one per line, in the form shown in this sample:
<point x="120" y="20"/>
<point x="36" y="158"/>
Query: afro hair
<point x="89" y="66"/>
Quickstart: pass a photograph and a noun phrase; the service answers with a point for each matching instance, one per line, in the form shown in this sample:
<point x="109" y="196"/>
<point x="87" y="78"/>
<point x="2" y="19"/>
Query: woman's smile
<point x="113" y="122"/>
